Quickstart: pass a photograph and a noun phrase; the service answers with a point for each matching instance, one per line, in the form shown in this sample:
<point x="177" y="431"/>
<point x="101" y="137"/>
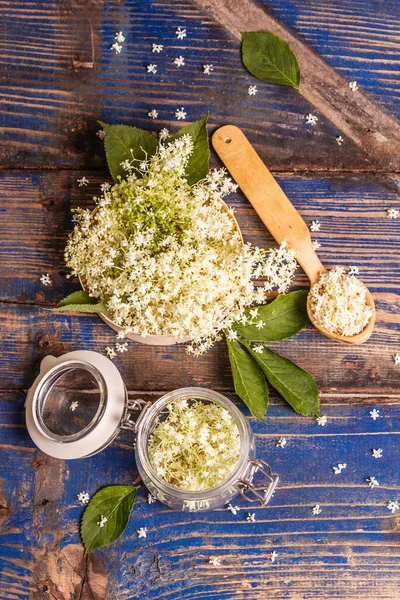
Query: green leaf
<point x="115" y="503"/>
<point x="120" y="140"/>
<point x="248" y="379"/>
<point x="283" y="317"/>
<point x="269" y="57"/>
<point x="83" y="308"/>
<point x="296" y="386"/>
<point x="198" y="163"/>
<point x="79" y="297"/>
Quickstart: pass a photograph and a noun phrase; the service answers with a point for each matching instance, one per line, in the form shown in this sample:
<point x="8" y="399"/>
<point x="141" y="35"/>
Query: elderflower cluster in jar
<point x="167" y="258"/>
<point x="196" y="447"/>
<point x="339" y="302"/>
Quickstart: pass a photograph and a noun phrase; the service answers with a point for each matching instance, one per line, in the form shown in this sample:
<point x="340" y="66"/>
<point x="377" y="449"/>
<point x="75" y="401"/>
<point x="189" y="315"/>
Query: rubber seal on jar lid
<point x="76" y="404"/>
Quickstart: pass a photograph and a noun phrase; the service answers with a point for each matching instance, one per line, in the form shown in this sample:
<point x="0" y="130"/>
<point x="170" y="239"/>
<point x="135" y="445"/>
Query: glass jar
<point x="78" y="404"/>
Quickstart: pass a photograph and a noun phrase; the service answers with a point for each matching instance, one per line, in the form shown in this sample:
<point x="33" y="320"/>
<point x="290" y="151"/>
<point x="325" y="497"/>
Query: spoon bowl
<point x="278" y="214"/>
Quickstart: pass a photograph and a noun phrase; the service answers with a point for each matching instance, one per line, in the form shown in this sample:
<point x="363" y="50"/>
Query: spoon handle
<point x="266" y="196"/>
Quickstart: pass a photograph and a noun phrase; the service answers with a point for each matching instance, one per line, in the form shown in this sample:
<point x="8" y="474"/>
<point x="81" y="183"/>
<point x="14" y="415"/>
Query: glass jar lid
<point x="76" y="405"/>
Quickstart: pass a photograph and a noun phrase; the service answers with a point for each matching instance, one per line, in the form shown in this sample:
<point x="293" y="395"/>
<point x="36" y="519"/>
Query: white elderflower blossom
<point x="110" y="352"/>
<point x="45" y="279"/>
<point x="180" y="33"/>
<point x="117" y="47"/>
<point x="252" y="90"/>
<point x="207" y="69"/>
<point x="196" y="446"/>
<point x="322" y="420"/>
<point x="102" y="522"/>
<point x="311" y="119"/>
<point x="315" y="226"/>
<point x="374" y="414"/>
<point x="258" y="349"/>
<point x="316" y="510"/>
<point x="151" y="499"/>
<point x="377" y="452"/>
<point x="281" y="443"/>
<point x="316" y="245"/>
<point x="157" y="48"/>
<point x="337" y="470"/>
<point x="83" y="181"/>
<point x="338" y="302"/>
<point x="393" y="505"/>
<point x="142" y="532"/>
<point x="251" y="517"/>
<point x="83" y="497"/>
<point x="74" y="405"/>
<point x="353" y="86"/>
<point x="272" y="556"/>
<point x="353" y="270"/>
<point x="166" y="258"/>
<point x="179" y="61"/>
<point x="339" y="140"/>
<point x="119" y="37"/>
<point x="153" y="114"/>
<point x="151" y="68"/>
<point x="396" y="358"/>
<point x="372" y="482"/>
<point x="122" y="347"/>
<point x="392" y="213"/>
<point x="214" y="561"/>
<point x="164" y="134"/>
<point x="233" y="509"/>
<point x="180" y="114"/>
<point x="101" y="134"/>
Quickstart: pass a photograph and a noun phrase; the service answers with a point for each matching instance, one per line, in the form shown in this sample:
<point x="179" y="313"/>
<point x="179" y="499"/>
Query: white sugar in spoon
<point x="277" y="213"/>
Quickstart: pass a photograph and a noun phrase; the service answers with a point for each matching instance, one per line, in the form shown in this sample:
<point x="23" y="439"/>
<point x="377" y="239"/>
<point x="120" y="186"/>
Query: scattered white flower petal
<point x="260" y="324"/>
<point x="110" y="352"/>
<point x="339" y="468"/>
<point x="157" y="48"/>
<point x="101" y="134"/>
<point x="119" y="37"/>
<point x="311" y="119"/>
<point x="83" y="181"/>
<point x="396" y="358"/>
<point x="180" y="33"/>
<point x="151" y="68"/>
<point x="393" y="505"/>
<point x="316" y="245"/>
<point x="179" y="61"/>
<point x="151" y="499"/>
<point x="372" y="482"/>
<point x="281" y="443"/>
<point x="102" y="522"/>
<point x="207" y="69"/>
<point x="214" y="561"/>
<point x="322" y="420"/>
<point x="83" y="497"/>
<point x="374" y="414"/>
<point x="353" y="270"/>
<point x="315" y="226"/>
<point x="74" y="405"/>
<point x="180" y="114"/>
<point x="392" y="213"/>
<point x="339" y="140"/>
<point x="45" y="279"/>
<point x="258" y="349"/>
<point x="164" y="134"/>
<point x="272" y="556"/>
<point x="233" y="509"/>
<point x="153" y="114"/>
<point x="122" y="347"/>
<point x="142" y="532"/>
<point x="251" y="517"/>
<point x="353" y="86"/>
<point x="252" y="90"/>
<point x="117" y="47"/>
<point x="377" y="452"/>
<point x="316" y="510"/>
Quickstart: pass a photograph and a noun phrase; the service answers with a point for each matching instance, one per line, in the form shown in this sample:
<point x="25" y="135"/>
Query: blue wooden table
<point x="58" y="76"/>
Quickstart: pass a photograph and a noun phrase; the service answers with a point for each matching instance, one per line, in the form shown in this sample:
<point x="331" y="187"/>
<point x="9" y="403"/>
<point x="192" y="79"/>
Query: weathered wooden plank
<point x="354" y="230"/>
<point x="349" y="551"/>
<point x="50" y="107"/>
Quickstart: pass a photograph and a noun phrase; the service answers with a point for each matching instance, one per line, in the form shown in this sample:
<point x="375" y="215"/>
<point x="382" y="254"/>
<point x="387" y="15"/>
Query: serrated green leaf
<point x="198" y="163"/>
<point x="294" y="384"/>
<point x="120" y="140"/>
<point x="83" y="308"/>
<point x="79" y="297"/>
<point x="248" y="378"/>
<point x="269" y="57"/>
<point x="115" y="504"/>
<point x="282" y="318"/>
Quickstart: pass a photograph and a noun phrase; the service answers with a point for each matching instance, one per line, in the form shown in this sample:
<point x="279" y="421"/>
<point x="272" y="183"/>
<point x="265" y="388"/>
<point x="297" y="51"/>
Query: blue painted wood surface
<point x="48" y="118"/>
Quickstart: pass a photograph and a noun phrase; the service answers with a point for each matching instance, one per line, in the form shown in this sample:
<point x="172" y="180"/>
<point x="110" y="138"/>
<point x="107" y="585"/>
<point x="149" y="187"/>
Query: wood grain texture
<point x="349" y="551"/>
<point x="49" y="108"/>
<point x="374" y="131"/>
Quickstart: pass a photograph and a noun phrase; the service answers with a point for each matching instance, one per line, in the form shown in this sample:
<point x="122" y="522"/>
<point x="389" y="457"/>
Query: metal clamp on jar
<point x="78" y="404"/>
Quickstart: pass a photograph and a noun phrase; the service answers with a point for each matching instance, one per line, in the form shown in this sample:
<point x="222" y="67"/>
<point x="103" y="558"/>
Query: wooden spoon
<point x="277" y="213"/>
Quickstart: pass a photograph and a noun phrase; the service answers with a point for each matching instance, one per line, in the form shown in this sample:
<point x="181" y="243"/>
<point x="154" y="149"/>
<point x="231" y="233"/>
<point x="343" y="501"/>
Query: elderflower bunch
<point x="196" y="446"/>
<point x="166" y="258"/>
